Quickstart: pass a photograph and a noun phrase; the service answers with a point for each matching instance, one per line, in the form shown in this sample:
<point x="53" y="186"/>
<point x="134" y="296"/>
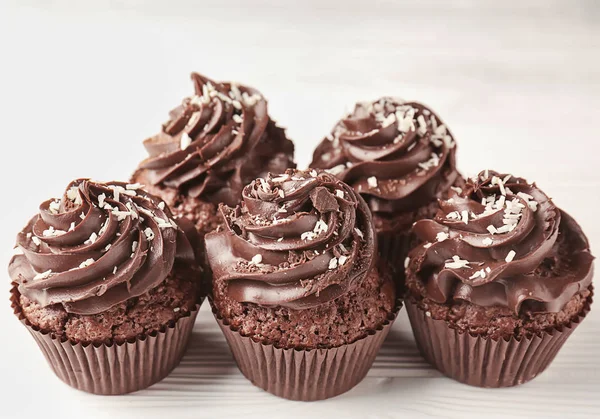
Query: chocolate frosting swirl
<point x="298" y="240"/>
<point x="399" y="155"/>
<point x="98" y="246"/>
<point x="216" y="142"/>
<point x="502" y="241"/>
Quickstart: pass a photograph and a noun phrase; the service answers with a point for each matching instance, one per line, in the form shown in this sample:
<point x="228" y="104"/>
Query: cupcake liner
<point x="109" y="369"/>
<point x="305" y="375"/>
<point x="485" y="362"/>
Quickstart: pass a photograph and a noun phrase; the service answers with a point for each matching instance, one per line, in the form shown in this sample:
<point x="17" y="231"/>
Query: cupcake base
<point x="305" y="375"/>
<point x="113" y="368"/>
<point x="482" y="361"/>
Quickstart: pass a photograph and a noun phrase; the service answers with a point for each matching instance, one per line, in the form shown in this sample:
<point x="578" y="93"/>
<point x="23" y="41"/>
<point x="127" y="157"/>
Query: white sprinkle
<point x="487" y="241"/>
<point x="149" y="233"/>
<point x="428" y="313"/>
<point x="465" y="216"/>
<point x="422" y="125"/>
<point x="359" y="233"/>
<point x="134" y="186"/>
<point x="101" y="199"/>
<point x="524" y="196"/>
<point x="313" y="173"/>
<point x="256" y="259"/>
<point x="280" y="239"/>
<point x="73" y="195"/>
<point x="86" y="263"/>
<point x="51" y="232"/>
<point x="441" y="236"/>
<point x="36" y="240"/>
<point x="511" y="255"/>
<point x="185" y="141"/>
<point x="92" y="239"/>
<point x="161" y="205"/>
<point x="333" y="263"/>
<point x="236" y="104"/>
<point x="427" y="245"/>
<point x="107" y="248"/>
<point x="406" y="262"/>
<point x="434" y="161"/>
<point x="320" y="227"/>
<point x="533" y="205"/>
<point x="339" y="194"/>
<point x="336" y="170"/>
<point x="506" y="178"/>
<point x="82" y="216"/>
<point x="281" y="193"/>
<point x="54" y="207"/>
<point x="372" y="181"/>
<point x="238" y="119"/>
<point x="72" y="227"/>
<point x="456" y="189"/>
<point x="43" y="275"/>
<point x="176" y="309"/>
<point x="478" y="274"/>
<point x="342" y="260"/>
<point x="492" y="229"/>
<point x="308" y="235"/>
<point x="115" y="270"/>
<point x="134" y="246"/>
<point x="457" y="263"/>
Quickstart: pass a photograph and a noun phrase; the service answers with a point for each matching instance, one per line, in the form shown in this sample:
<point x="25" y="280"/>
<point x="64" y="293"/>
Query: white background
<point x="83" y="83"/>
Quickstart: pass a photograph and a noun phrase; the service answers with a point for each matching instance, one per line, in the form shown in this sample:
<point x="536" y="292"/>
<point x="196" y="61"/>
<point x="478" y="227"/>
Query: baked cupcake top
<point x="501" y="241"/>
<point x="217" y="141"/>
<point x="399" y="155"/>
<point x="99" y="245"/>
<point x="298" y="240"/>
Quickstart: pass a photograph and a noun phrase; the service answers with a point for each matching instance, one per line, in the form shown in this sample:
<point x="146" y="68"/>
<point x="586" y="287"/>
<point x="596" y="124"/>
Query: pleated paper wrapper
<point x="109" y="369"/>
<point x="305" y="375"/>
<point x="485" y="362"/>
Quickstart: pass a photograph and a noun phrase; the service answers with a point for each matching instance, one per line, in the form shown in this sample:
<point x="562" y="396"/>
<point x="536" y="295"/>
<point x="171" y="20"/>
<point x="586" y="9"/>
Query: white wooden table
<point x="82" y="84"/>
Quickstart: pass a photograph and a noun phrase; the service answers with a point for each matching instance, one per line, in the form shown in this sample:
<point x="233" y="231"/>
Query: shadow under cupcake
<point x="500" y="279"/>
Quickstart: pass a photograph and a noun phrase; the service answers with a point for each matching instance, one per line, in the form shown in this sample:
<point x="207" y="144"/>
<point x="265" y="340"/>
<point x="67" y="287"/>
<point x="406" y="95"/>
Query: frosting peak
<point x="502" y="241"/>
<point x="399" y="155"/>
<point x="98" y="246"/>
<point x="217" y="141"/>
<point x="298" y="240"/>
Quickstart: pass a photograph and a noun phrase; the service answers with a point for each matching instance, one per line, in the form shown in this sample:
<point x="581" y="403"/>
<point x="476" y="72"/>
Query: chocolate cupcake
<point x="213" y="144"/>
<point x="499" y="281"/>
<point x="400" y="157"/>
<point x="295" y="287"/>
<point x="106" y="282"/>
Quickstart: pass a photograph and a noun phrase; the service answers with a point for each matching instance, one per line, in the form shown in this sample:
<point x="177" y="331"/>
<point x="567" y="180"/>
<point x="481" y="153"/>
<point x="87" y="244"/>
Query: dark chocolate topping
<point x="502" y="241"/>
<point x="216" y="142"/>
<point x="399" y="155"/>
<point x="100" y="245"/>
<point x="298" y="240"/>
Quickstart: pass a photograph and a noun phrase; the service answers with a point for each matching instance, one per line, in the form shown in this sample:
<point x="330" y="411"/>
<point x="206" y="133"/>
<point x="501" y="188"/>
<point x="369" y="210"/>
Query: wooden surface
<point x="82" y="84"/>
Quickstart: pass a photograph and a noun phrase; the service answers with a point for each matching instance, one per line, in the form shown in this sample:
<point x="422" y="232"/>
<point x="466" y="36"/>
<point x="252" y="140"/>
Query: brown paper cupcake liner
<point x="110" y="369"/>
<point x="485" y="362"/>
<point x="305" y="375"/>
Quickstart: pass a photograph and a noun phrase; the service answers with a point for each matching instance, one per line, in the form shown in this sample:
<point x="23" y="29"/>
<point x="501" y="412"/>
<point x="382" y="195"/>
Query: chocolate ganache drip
<point x="298" y="240"/>
<point x="98" y="246"/>
<point x="502" y="241"/>
<point x="217" y="141"/>
<point x="399" y="155"/>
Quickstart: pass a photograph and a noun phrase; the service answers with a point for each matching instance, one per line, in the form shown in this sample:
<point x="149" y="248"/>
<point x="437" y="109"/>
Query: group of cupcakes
<point x="305" y="270"/>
